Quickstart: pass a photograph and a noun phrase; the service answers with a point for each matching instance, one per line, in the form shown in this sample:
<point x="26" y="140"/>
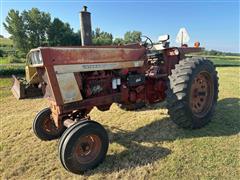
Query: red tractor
<point x="76" y="79"/>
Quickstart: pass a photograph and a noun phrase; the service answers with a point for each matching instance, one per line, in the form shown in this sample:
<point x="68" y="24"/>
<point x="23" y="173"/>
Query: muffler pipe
<point x="86" y="27"/>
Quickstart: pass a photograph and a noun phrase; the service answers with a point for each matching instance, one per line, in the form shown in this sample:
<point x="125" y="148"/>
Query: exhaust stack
<point x="86" y="28"/>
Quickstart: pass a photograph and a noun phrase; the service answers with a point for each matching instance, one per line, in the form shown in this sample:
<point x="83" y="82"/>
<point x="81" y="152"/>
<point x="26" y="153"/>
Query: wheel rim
<point x="49" y="127"/>
<point x="87" y="148"/>
<point x="201" y="96"/>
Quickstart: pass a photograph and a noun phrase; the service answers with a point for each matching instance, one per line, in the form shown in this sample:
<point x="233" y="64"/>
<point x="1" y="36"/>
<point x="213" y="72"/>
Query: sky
<point x="214" y="23"/>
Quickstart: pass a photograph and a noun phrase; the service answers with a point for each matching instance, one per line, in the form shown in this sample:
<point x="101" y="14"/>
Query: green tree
<point x="132" y="37"/>
<point x="36" y="24"/>
<point x="61" y="34"/>
<point x="1" y="36"/>
<point x="76" y="38"/>
<point x="118" y="41"/>
<point x="101" y="38"/>
<point x="15" y="26"/>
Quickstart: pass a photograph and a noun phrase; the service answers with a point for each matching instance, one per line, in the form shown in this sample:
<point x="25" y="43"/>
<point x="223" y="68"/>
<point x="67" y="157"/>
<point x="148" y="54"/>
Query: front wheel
<point x="192" y="93"/>
<point x="83" y="146"/>
<point x="44" y="127"/>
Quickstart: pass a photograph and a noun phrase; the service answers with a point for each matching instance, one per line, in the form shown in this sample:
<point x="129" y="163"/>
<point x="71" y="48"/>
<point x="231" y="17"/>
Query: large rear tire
<point x="192" y="93"/>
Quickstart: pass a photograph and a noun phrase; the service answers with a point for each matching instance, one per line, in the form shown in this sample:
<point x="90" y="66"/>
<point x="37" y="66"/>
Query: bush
<point x="13" y="59"/>
<point x="9" y="70"/>
<point x="20" y="55"/>
<point x="1" y="53"/>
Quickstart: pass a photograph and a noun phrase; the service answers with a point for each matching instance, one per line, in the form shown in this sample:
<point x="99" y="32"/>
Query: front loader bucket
<point x="21" y="89"/>
<point x="18" y="88"/>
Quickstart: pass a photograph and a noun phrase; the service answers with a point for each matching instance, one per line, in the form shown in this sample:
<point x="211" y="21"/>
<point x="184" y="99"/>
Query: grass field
<point x="144" y="144"/>
<point x="224" y="61"/>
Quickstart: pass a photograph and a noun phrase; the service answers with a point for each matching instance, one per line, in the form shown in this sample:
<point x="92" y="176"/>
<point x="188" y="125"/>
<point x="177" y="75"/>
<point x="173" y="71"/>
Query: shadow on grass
<point x="225" y="122"/>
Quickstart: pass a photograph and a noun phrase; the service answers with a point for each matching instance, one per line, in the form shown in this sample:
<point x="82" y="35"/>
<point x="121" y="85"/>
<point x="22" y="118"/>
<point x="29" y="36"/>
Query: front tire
<point x="44" y="127"/>
<point x="83" y="146"/>
<point x="192" y="93"/>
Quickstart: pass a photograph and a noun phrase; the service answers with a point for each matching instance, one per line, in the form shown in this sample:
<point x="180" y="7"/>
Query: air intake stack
<point x="86" y="28"/>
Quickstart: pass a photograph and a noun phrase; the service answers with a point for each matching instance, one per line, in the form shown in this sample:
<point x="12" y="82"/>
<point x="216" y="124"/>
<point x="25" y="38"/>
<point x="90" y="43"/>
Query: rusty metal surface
<point x="201" y="95"/>
<point x="69" y="88"/>
<point x="69" y="55"/>
<point x="86" y="27"/>
<point x="96" y="66"/>
<point x="53" y="84"/>
<point x="18" y="89"/>
<point x="171" y="57"/>
<point x="185" y="50"/>
<point x="86" y="55"/>
<point x="68" y="122"/>
<point x="49" y="127"/>
<point x="87" y="148"/>
<point x="90" y="103"/>
<point x="80" y="78"/>
<point x="21" y="89"/>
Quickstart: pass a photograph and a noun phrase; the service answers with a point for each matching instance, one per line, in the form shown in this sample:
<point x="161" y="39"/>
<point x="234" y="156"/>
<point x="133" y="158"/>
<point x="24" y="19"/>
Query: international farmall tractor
<point x="76" y="79"/>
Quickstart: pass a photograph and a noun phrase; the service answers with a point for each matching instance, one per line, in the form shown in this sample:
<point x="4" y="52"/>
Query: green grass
<point x="144" y="144"/>
<point x="224" y="57"/>
<point x="5" y="84"/>
<point x="4" y="60"/>
<point x="12" y="60"/>
<point x="223" y="61"/>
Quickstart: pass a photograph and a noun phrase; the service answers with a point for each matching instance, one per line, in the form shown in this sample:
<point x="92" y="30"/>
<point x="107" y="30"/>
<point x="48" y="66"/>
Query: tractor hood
<point x="92" y="57"/>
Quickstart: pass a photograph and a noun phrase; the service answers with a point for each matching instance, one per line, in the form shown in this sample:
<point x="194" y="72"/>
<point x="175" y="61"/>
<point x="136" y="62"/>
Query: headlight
<point x="36" y="58"/>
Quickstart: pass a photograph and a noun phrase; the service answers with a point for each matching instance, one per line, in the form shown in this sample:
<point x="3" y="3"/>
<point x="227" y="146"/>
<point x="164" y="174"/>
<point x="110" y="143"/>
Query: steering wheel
<point x="147" y="43"/>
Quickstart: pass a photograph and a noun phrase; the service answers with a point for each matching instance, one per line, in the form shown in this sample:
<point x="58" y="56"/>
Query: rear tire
<point x="83" y="146"/>
<point x="192" y="93"/>
<point x="44" y="127"/>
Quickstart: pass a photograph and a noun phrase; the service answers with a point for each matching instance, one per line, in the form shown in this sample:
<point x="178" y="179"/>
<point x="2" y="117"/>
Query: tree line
<point x="219" y="53"/>
<point x="34" y="28"/>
